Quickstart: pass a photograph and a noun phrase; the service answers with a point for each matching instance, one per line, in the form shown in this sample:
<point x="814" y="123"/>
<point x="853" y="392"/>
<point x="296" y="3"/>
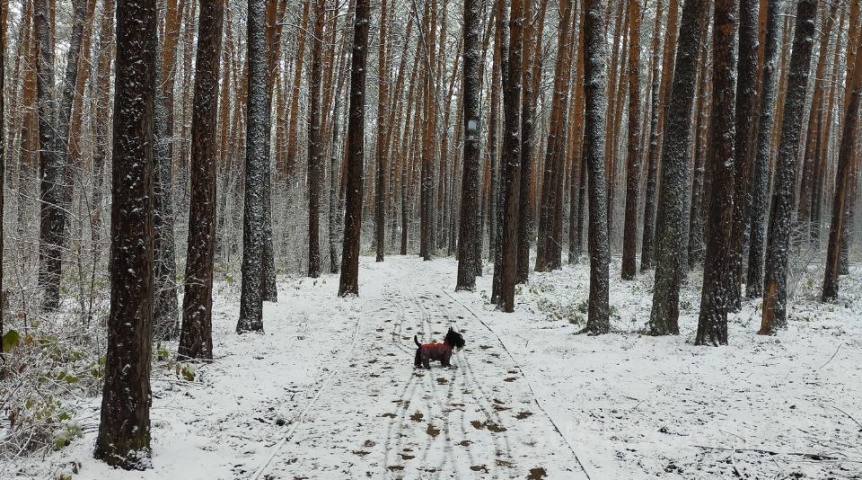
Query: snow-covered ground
<point x="329" y="391"/>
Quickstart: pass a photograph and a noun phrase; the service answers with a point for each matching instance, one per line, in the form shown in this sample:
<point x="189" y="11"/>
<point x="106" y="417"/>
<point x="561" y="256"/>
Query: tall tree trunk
<point x="315" y="143"/>
<point x="493" y="135"/>
<point x="165" y="310"/>
<point x="659" y="86"/>
<point x="845" y="179"/>
<point x="512" y="147"/>
<point x="633" y="165"/>
<point x="196" y="336"/>
<point x="101" y="115"/>
<point x="596" y="104"/>
<point x="3" y="13"/>
<point x="746" y="111"/>
<point x="758" y="187"/>
<point x="784" y="190"/>
<point x="124" y="430"/>
<point x="52" y="214"/>
<point x="696" y="249"/>
<point x="355" y="155"/>
<point x="528" y="115"/>
<point x="675" y="161"/>
<point x="715" y="300"/>
<point x="468" y="234"/>
<point x="382" y="129"/>
<point x="256" y="173"/>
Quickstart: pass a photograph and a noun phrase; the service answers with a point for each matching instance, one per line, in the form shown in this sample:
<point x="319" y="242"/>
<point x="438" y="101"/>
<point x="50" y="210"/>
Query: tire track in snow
<point x="297" y="420"/>
<point x="526" y="378"/>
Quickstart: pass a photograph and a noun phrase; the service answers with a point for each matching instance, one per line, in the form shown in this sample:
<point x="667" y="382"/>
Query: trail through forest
<point x="329" y="391"/>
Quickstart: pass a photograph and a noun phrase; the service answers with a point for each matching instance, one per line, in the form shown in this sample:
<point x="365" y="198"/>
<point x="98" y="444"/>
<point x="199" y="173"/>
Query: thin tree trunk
<point x="315" y="143"/>
<point x="382" y="132"/>
<point x="286" y="171"/>
<point x="633" y="165"/>
<point x="124" y="430"/>
<point x="778" y="240"/>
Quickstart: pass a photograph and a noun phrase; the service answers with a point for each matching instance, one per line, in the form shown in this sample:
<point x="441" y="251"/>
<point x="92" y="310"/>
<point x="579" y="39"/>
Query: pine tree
<point x="633" y="165"/>
<point x="315" y="142"/>
<point x="758" y="185"/>
<point x="382" y="129"/>
<point x="784" y="188"/>
<point x="196" y="337"/>
<point x="675" y="161"/>
<point x="596" y="104"/>
<point x="715" y="297"/>
<point x="468" y="234"/>
<point x="124" y="430"/>
<point x="845" y="176"/>
<point x="355" y="153"/>
<point x="256" y="173"/>
<point x="2" y="155"/>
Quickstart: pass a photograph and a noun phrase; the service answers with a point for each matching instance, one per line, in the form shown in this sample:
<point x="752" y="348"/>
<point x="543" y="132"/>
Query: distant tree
<point x="675" y="161"/>
<point x="595" y="88"/>
<point x="382" y="129"/>
<point x="467" y="236"/>
<point x="124" y="430"/>
<point x="715" y="299"/>
<point x="633" y="165"/>
<point x="848" y="166"/>
<point x="501" y="39"/>
<point x="758" y="185"/>
<point x="315" y="141"/>
<point x="256" y="173"/>
<point x="784" y="187"/>
<point x="355" y="153"/>
<point x="196" y="337"/>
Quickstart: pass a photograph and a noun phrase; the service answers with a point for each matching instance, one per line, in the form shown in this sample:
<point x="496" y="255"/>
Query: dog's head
<point x="454" y="338"/>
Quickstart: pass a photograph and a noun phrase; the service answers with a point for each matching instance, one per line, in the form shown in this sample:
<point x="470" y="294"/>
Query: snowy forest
<point x="563" y="239"/>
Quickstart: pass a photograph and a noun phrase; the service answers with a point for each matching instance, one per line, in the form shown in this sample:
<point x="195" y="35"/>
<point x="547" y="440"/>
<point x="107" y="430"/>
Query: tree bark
<point x="196" y="336"/>
<point x="845" y="179"/>
<point x="468" y="234"/>
<point x="596" y="105"/>
<point x="758" y="186"/>
<point x="715" y="299"/>
<point x="633" y="165"/>
<point x="124" y="430"/>
<point x="355" y="155"/>
<point x="256" y="173"/>
<point x="512" y="147"/>
<point x="315" y="143"/>
<point x="382" y="129"/>
<point x="784" y="189"/>
<point x="675" y="161"/>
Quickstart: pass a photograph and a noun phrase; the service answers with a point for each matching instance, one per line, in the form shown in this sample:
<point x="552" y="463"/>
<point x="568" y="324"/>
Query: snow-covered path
<point x="379" y="417"/>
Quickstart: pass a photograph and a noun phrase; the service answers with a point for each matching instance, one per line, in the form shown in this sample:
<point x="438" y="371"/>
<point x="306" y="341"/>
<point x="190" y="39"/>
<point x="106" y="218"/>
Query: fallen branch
<point x="810" y="456"/>
<point x="848" y="416"/>
<point x="833" y="356"/>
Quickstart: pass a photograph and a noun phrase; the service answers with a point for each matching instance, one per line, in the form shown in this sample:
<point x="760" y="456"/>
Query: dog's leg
<point x="426" y="361"/>
<point x="417" y="362"/>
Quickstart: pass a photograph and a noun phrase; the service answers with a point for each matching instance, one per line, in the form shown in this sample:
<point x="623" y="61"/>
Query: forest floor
<point x="329" y="391"/>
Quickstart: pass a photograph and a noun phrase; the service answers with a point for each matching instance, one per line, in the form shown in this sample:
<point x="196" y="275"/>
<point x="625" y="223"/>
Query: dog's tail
<point x="416" y="339"/>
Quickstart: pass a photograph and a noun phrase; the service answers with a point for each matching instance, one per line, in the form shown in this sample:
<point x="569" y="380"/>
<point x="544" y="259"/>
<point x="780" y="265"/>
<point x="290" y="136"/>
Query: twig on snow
<point x="833" y="356"/>
<point x="848" y="416"/>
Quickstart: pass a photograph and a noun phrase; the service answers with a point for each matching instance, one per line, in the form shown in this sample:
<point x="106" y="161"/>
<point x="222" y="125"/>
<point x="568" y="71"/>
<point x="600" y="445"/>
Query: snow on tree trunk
<point x="746" y="104"/>
<point x="2" y="160"/>
<point x="256" y="173"/>
<point x="355" y="153"/>
<point x="596" y="107"/>
<point x="758" y="185"/>
<point x="196" y="336"/>
<point x="315" y="143"/>
<point x="468" y="234"/>
<point x="845" y="179"/>
<point x="124" y="430"/>
<point x="382" y="128"/>
<point x="784" y="189"/>
<point x="675" y="161"/>
<point x="715" y="297"/>
<point x="633" y="165"/>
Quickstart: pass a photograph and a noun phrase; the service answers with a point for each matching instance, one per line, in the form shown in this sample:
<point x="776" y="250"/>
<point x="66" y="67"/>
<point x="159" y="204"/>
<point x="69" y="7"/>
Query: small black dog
<point x="437" y="351"/>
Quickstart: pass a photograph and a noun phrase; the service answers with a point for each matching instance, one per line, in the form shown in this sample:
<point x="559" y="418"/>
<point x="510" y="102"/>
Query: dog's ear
<point x="450" y="329"/>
